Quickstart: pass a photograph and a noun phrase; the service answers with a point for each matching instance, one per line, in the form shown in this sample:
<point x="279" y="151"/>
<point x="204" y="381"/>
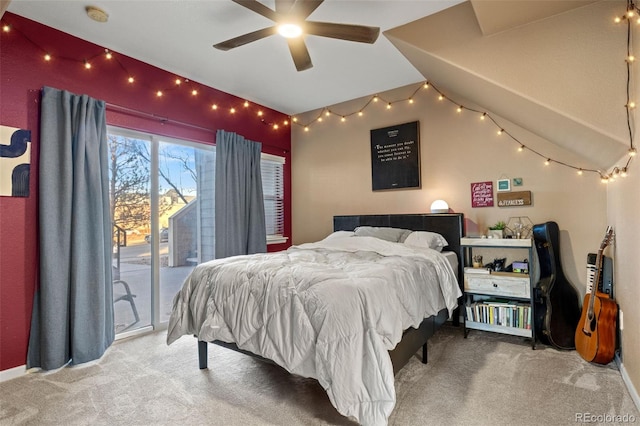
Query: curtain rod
<point x="134" y="112"/>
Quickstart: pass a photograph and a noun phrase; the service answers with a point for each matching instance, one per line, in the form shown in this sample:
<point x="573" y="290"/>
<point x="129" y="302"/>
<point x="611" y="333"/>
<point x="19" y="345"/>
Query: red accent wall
<point x="23" y="73"/>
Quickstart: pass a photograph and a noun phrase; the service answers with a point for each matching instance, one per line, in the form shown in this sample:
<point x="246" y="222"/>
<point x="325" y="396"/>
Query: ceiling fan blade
<point x="359" y="33"/>
<point x="303" y="8"/>
<point x="245" y="38"/>
<point x="258" y="8"/>
<point x="299" y="53"/>
<point x="284" y="6"/>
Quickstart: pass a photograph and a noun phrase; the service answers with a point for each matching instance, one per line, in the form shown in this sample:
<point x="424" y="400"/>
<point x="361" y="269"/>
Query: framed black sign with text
<point x="395" y="157"/>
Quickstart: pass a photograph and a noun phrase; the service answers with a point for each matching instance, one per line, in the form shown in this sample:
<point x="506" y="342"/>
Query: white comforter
<point x="330" y="310"/>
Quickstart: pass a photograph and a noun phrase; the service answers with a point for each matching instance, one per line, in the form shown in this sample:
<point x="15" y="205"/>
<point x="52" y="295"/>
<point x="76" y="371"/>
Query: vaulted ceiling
<point x="555" y="68"/>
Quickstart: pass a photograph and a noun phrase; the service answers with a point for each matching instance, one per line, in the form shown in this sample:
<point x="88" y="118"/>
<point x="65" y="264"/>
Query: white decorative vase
<point x="494" y="233"/>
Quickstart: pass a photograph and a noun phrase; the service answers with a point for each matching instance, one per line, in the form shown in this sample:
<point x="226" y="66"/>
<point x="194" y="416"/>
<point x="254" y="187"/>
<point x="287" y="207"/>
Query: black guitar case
<point x="557" y="303"/>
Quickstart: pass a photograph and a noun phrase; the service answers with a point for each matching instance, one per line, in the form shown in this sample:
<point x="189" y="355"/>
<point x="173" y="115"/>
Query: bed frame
<point x="449" y="225"/>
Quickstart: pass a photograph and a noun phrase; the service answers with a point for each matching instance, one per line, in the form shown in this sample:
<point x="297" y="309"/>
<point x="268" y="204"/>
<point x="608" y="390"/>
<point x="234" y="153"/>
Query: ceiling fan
<point x="290" y="21"/>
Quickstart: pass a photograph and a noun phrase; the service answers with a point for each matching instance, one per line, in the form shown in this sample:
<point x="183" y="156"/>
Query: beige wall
<point x="331" y="175"/>
<point x="623" y="205"/>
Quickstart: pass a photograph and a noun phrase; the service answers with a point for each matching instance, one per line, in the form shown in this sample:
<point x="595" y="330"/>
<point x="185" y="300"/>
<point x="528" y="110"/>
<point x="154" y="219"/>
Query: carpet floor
<point x="486" y="379"/>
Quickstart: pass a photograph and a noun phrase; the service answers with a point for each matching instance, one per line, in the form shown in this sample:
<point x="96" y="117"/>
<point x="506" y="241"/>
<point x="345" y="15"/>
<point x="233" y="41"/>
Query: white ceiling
<point x="178" y="35"/>
<point x="527" y="60"/>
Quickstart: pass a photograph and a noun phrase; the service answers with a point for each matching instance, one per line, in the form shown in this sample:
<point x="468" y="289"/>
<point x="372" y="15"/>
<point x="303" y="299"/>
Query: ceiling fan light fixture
<point x="289" y="30"/>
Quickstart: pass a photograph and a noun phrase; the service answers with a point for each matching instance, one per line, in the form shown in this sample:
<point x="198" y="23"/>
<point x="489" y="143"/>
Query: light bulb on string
<point x="214" y="107"/>
<point x="426" y="85"/>
<point x="483" y="116"/>
<point x="547" y="161"/>
<point x="521" y="148"/>
<point x="178" y="82"/>
<point x="47" y="57"/>
<point x="632" y="152"/>
<point x="459" y="109"/>
<point x="107" y="54"/>
<point x="194" y="92"/>
<point x="232" y="110"/>
<point x="580" y="172"/>
<point x="131" y="79"/>
<point x="159" y="93"/>
<point x="87" y="65"/>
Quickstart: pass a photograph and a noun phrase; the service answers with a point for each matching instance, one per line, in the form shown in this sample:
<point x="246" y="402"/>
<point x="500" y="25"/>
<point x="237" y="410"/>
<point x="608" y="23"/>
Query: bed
<point x="349" y="312"/>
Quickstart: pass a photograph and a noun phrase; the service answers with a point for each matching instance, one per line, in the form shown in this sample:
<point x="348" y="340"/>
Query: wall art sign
<point x="395" y="157"/>
<point x="504" y="185"/>
<point x="15" y="161"/>
<point x="482" y="194"/>
<point x="514" y="199"/>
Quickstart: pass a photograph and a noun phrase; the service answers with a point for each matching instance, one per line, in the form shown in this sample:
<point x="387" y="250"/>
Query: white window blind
<point x="272" y="167"/>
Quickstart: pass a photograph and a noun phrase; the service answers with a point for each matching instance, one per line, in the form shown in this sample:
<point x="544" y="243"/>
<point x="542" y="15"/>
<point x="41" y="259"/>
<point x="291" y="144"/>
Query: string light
<point x="547" y="161"/>
<point x="109" y="55"/>
<point x="246" y="104"/>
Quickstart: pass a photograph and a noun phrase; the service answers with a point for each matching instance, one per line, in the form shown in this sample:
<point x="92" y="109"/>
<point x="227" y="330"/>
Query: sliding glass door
<point x="156" y="221"/>
<point x="162" y="204"/>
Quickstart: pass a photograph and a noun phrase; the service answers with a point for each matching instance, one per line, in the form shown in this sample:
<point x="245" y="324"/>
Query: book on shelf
<point x="500" y="312"/>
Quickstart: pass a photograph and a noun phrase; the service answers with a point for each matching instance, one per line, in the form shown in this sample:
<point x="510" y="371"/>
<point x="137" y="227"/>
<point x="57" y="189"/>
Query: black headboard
<point x="449" y="225"/>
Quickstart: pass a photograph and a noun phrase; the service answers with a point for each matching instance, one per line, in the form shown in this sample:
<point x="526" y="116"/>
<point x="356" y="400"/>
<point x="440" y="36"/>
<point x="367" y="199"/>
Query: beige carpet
<point x="484" y="379"/>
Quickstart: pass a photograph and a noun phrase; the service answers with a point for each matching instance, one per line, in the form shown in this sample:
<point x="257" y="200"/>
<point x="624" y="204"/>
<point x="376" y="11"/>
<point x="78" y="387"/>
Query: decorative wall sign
<point x="517" y="181"/>
<point x="504" y="185"/>
<point x="514" y="199"/>
<point x="15" y="160"/>
<point x="395" y="157"/>
<point x="482" y="194"/>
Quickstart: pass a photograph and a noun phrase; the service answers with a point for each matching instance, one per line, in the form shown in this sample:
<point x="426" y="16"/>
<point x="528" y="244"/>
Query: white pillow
<point x="384" y="233"/>
<point x="339" y="234"/>
<point x="426" y="239"/>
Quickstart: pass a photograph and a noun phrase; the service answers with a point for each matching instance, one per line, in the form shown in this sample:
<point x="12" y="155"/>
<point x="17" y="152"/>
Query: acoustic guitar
<point x="596" y="332"/>
<point x="557" y="303"/>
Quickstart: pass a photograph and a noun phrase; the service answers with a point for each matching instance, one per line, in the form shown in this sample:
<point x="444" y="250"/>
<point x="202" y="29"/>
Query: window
<point x="272" y="168"/>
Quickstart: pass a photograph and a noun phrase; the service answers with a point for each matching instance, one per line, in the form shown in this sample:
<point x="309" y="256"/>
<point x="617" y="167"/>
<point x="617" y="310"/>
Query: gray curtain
<point x="239" y="204"/>
<point x="72" y="319"/>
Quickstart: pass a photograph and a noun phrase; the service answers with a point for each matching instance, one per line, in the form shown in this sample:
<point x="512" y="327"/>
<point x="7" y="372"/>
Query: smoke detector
<point x="97" y="14"/>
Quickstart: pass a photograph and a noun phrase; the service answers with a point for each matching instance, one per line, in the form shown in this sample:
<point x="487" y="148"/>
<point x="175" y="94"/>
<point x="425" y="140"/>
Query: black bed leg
<point x="202" y="354"/>
<point x="424" y="354"/>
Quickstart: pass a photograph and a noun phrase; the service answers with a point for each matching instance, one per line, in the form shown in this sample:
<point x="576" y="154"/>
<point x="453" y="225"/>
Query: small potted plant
<point x="497" y="230"/>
